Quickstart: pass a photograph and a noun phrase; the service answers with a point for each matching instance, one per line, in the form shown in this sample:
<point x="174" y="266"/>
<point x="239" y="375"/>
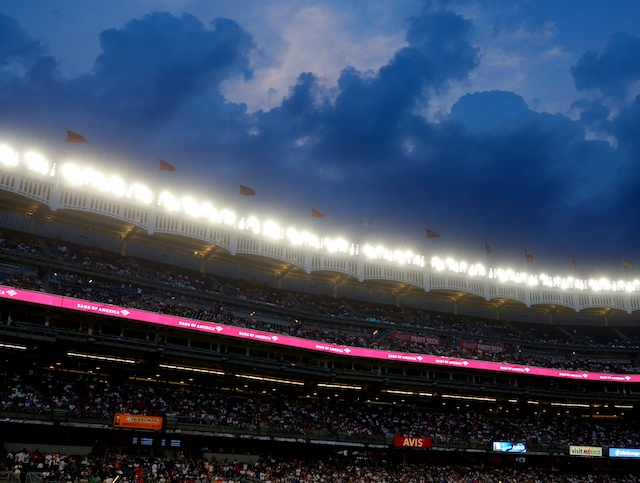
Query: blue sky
<point x="513" y="123"/>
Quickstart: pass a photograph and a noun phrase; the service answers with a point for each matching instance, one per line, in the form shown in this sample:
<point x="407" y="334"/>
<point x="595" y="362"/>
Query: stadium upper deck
<point x="86" y="209"/>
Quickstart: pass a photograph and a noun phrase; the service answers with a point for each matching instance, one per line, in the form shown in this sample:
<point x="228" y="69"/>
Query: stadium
<point x="157" y="336"/>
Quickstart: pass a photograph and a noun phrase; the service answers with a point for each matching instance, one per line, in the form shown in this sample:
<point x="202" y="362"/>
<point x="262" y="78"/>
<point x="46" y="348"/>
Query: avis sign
<point x="404" y="442"/>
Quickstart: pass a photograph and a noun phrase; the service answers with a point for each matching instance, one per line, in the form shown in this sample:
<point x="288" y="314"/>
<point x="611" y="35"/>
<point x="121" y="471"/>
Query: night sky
<point x="509" y="123"/>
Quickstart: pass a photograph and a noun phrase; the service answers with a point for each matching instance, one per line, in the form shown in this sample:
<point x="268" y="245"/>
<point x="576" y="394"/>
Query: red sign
<point x="404" y="442"/>
<point x="479" y="346"/>
<point x="137" y="421"/>
<point x="419" y="339"/>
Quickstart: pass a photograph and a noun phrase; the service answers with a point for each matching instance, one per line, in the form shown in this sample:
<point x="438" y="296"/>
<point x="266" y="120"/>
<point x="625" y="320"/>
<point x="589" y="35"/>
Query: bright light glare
<point x="169" y="201"/>
<point x="8" y="156"/>
<point x="437" y="264"/>
<point x="477" y="270"/>
<point x="36" y="163"/>
<point x="402" y="257"/>
<point x="250" y="224"/>
<point x="373" y="252"/>
<point x="272" y="230"/>
<point x="112" y="184"/>
<point x="115" y="185"/>
<point x="336" y="245"/>
<point x="71" y="173"/>
<point x="191" y="207"/>
<point x="228" y="217"/>
<point x="140" y="193"/>
<point x="303" y="238"/>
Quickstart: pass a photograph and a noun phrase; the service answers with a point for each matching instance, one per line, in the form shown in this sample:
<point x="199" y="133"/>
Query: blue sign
<point x="508" y="447"/>
<point x="624" y="452"/>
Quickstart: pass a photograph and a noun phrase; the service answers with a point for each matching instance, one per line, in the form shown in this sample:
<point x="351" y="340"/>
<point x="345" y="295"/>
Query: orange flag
<point x="316" y="214"/>
<point x="74" y="137"/>
<point x="164" y="166"/>
<point x="527" y="256"/>
<point x="432" y="234"/>
<point x="246" y="191"/>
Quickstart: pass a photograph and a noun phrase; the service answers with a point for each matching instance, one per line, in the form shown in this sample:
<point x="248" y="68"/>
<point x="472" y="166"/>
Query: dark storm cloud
<point x="625" y="128"/>
<point x="493" y="165"/>
<point x="487" y="111"/>
<point x="493" y="170"/>
<point x="611" y="73"/>
<point x="29" y="81"/>
<point x="611" y="70"/>
<point x="156" y="80"/>
<point x="366" y="122"/>
<point x="149" y="68"/>
<point x="16" y="46"/>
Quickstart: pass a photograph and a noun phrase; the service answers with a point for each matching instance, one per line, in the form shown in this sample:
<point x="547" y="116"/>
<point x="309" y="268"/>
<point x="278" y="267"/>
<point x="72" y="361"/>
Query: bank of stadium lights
<point x="37" y="163"/>
<point x="33" y="161"/>
<point x="451" y="265"/>
<point x="250" y="223"/>
<point x="8" y="157"/>
<point x="271" y="229"/>
<point x="94" y="179"/>
<point x="402" y="257"/>
<point x="522" y="278"/>
<point x="140" y="193"/>
<point x="115" y="186"/>
<point x="195" y="209"/>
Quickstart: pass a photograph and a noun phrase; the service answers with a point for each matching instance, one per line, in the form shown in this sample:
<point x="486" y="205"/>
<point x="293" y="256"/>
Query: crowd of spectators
<point x="298" y="413"/>
<point x="107" y="278"/>
<point x="94" y="468"/>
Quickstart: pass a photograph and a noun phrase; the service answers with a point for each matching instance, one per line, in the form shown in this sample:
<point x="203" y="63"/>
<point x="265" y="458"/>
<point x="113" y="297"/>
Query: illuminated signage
<point x="509" y="447"/>
<point x="624" y="452"/>
<point x="137" y="421"/>
<point x="284" y="340"/>
<point x="585" y="450"/>
<point x="404" y="442"/>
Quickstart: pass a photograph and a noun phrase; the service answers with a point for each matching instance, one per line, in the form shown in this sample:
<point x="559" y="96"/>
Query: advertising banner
<point x="624" y="452"/>
<point x="404" y="442"/>
<point x="285" y="340"/>
<point x="509" y="447"/>
<point x="585" y="450"/>
<point x="418" y="339"/>
<point x="478" y="346"/>
<point x="137" y="421"/>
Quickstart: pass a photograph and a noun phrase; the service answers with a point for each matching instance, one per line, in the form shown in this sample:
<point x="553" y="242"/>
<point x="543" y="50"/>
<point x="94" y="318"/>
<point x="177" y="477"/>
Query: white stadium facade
<point x="78" y="204"/>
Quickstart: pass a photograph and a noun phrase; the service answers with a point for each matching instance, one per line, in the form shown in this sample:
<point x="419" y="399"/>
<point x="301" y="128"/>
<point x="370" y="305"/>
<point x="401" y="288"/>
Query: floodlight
<point x="438" y="264"/>
<point x="294" y="236"/>
<point x="228" y="217"/>
<point x="96" y="180"/>
<point x="253" y="224"/>
<point x="191" y="207"/>
<point x="368" y="251"/>
<point x="8" y="156"/>
<point x="336" y="245"/>
<point x="311" y="240"/>
<point x="140" y="193"/>
<point x="36" y="163"/>
<point x="271" y="229"/>
<point x="169" y="201"/>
